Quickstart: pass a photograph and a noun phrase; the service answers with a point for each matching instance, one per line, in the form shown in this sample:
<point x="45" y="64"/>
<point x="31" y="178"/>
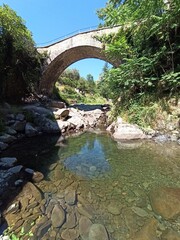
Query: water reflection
<point x="90" y="161"/>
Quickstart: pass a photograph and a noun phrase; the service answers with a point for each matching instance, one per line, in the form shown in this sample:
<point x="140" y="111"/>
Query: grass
<point x="71" y="96"/>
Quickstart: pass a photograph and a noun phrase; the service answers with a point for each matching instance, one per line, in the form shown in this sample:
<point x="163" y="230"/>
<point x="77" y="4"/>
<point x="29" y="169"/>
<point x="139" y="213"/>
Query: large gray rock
<point x="61" y="113"/>
<point x="16" y="169"/>
<point x="98" y="232"/>
<point x="20" y="117"/>
<point x="46" y="125"/>
<point x="63" y="125"/>
<point x="3" y="146"/>
<point x="40" y="110"/>
<point x="7" y="162"/>
<point x="57" y="104"/>
<point x="6" y="138"/>
<point x="19" y="126"/>
<point x="30" y="131"/>
<point x="124" y="131"/>
<point x="77" y="121"/>
<point x="10" y="131"/>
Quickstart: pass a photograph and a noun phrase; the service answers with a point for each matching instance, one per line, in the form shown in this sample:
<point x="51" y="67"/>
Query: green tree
<point x="91" y="83"/>
<point x="70" y="77"/>
<point x="148" y="43"/>
<point x="19" y="60"/>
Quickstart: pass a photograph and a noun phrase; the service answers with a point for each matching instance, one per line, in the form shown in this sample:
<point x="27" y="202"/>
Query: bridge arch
<point x="66" y="52"/>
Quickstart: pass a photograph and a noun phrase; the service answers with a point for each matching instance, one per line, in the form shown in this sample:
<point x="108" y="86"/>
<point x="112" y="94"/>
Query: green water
<point x="114" y="178"/>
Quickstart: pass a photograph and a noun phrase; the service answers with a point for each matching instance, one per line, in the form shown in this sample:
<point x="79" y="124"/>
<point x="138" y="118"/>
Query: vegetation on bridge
<point x="149" y="44"/>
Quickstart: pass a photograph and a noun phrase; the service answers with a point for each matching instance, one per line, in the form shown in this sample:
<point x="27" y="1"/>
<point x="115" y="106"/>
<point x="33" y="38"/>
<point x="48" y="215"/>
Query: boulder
<point x="19" y="126"/>
<point x="165" y="201"/>
<point x="126" y="131"/>
<point x="10" y="131"/>
<point x="148" y="231"/>
<point x="6" y="138"/>
<point x="7" y="162"/>
<point x="61" y="113"/>
<point x="46" y="125"/>
<point x="30" y="131"/>
<point x="40" y="110"/>
<point x="20" y="117"/>
<point x="15" y="170"/>
<point x="57" y="104"/>
<point x="63" y="125"/>
<point x="77" y="121"/>
<point x="3" y="146"/>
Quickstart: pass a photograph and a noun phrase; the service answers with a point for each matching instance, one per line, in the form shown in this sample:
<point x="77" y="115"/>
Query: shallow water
<point x="114" y="178"/>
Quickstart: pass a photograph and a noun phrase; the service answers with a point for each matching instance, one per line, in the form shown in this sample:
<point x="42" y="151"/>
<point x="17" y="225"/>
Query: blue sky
<point x="54" y="19"/>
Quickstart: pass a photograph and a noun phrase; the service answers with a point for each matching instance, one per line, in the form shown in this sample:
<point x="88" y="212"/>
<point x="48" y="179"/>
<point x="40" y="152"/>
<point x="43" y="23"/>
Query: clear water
<point x="115" y="178"/>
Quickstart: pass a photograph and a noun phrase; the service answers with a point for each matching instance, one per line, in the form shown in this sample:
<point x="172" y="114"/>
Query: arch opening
<point x="64" y="60"/>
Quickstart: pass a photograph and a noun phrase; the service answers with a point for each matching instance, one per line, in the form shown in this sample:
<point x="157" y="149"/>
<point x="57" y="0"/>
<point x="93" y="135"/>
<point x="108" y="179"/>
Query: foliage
<point x="72" y="88"/>
<point x="21" y="236"/>
<point x="19" y="60"/>
<point x="149" y="47"/>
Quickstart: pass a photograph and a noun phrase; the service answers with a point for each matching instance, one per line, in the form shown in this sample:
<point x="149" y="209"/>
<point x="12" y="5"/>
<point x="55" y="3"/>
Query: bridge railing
<point x="69" y="35"/>
<point x="82" y="30"/>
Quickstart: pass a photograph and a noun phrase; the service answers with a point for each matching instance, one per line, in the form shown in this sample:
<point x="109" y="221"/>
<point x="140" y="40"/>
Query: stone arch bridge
<point x="70" y="50"/>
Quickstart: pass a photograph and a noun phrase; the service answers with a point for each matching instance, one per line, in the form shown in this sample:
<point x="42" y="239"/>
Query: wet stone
<point x="70" y="220"/>
<point x="84" y="227"/>
<point x="69" y="234"/>
<point x="58" y="216"/>
<point x="42" y="229"/>
<point x="140" y="212"/>
<point x="98" y="232"/>
<point x="113" y="209"/>
<point x="70" y="196"/>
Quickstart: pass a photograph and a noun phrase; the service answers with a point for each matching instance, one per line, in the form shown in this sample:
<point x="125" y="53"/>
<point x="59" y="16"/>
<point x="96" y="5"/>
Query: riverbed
<point x="116" y="183"/>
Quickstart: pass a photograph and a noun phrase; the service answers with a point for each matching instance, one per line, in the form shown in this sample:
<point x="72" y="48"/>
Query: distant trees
<point x="72" y="78"/>
<point x="19" y="60"/>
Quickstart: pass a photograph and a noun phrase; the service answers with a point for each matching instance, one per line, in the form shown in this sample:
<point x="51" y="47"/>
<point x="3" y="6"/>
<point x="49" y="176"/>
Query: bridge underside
<point x="64" y="60"/>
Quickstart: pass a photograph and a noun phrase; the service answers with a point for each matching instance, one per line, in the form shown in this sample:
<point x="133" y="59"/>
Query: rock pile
<point x="32" y="120"/>
<point x="65" y="215"/>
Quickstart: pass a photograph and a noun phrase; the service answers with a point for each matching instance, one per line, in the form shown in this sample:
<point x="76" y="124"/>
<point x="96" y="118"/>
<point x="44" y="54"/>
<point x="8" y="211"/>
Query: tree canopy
<point x="19" y="60"/>
<point x="148" y="43"/>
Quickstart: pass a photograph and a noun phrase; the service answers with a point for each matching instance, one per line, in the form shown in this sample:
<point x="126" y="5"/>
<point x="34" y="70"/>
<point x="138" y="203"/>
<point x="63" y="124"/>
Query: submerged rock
<point x="148" y="231"/>
<point x="166" y="202"/>
<point x="84" y="227"/>
<point x="58" y="216"/>
<point x="98" y="232"/>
